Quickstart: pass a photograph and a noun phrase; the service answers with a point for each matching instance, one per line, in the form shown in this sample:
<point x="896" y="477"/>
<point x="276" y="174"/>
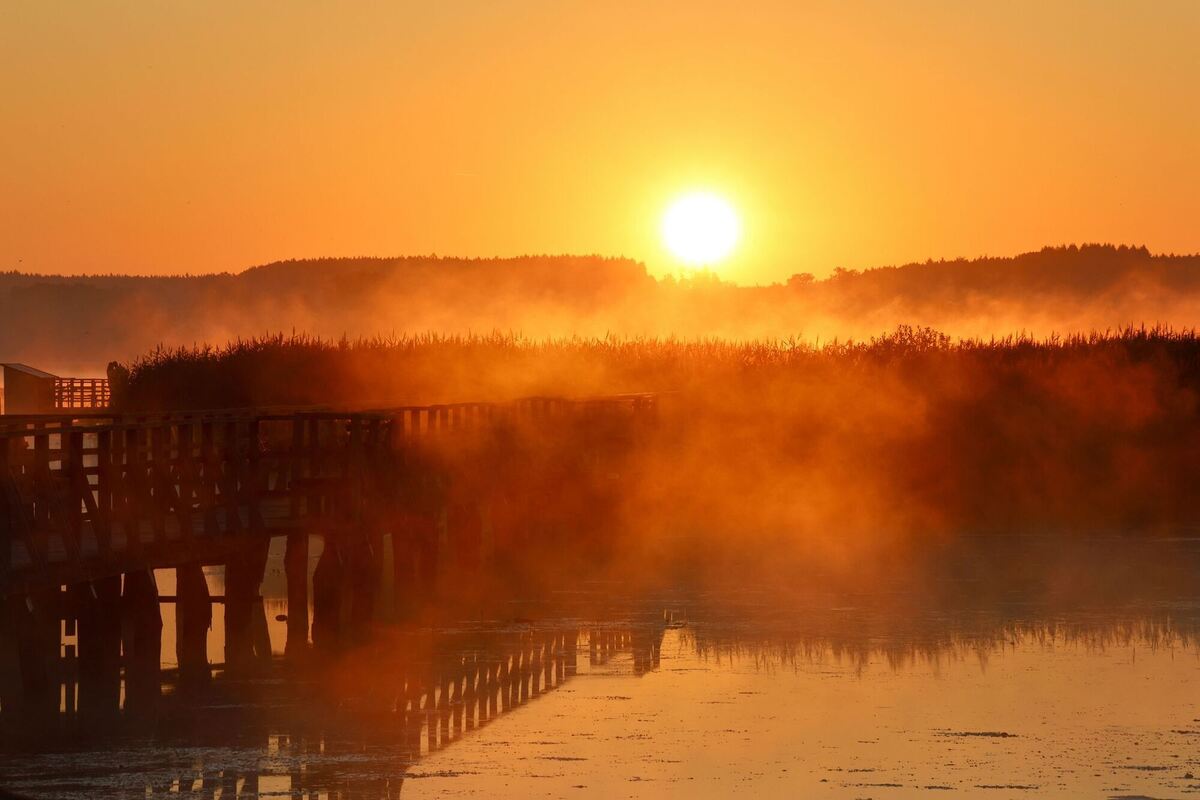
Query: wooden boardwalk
<point x="92" y="503"/>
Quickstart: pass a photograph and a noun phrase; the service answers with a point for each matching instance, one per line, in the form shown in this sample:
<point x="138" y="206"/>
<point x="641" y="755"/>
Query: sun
<point x="701" y="229"/>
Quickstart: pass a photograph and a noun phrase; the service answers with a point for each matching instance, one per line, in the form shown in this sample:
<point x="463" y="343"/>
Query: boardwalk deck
<point x="88" y="496"/>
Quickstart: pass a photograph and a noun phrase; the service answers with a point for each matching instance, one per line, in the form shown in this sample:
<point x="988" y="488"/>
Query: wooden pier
<point x="92" y="503"/>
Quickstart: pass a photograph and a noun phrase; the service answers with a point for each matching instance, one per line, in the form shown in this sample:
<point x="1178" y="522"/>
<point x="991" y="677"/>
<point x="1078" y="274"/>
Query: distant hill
<point x="75" y="325"/>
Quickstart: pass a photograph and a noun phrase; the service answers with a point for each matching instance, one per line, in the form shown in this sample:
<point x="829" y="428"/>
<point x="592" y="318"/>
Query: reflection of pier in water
<point x="354" y="729"/>
<point x="360" y="725"/>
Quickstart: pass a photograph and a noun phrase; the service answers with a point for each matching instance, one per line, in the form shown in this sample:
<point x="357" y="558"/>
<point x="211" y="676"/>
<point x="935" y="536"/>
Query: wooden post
<point x="243" y="606"/>
<point x="233" y="485"/>
<point x="10" y="507"/>
<point x="327" y="598"/>
<point x="404" y="572"/>
<point x="295" y="564"/>
<point x="315" y="467"/>
<point x="295" y="469"/>
<point x="193" y="618"/>
<point x="97" y="606"/>
<point x="12" y="692"/>
<point x="141" y="636"/>
<point x="117" y="490"/>
<point x="133" y="495"/>
<point x="353" y="475"/>
<point x="41" y="478"/>
<point x="160" y="482"/>
<point x="361" y="581"/>
<point x="39" y="645"/>
<point x="72" y="472"/>
<point x="102" y="524"/>
<point x="205" y="480"/>
<point x="253" y="477"/>
<point x="186" y="476"/>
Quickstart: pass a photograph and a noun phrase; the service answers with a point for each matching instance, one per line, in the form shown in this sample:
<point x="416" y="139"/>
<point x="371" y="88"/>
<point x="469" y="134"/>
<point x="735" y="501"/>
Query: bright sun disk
<point x="701" y="229"/>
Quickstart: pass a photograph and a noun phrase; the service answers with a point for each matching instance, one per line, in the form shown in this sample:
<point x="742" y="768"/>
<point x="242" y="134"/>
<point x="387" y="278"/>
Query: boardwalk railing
<point x="82" y="393"/>
<point x="83" y="497"/>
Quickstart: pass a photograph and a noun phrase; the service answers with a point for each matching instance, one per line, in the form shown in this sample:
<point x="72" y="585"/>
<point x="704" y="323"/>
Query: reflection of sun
<point x="700" y="229"/>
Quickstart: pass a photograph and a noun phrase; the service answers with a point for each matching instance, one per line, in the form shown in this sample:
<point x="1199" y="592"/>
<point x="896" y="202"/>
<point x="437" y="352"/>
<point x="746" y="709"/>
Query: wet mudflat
<point x="936" y="687"/>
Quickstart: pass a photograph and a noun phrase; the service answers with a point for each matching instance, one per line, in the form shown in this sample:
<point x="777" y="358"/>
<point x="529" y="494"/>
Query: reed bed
<point x="300" y="369"/>
<point x="850" y="442"/>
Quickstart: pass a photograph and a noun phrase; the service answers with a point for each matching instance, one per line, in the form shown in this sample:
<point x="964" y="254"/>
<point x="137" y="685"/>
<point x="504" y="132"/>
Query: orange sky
<point x="196" y="136"/>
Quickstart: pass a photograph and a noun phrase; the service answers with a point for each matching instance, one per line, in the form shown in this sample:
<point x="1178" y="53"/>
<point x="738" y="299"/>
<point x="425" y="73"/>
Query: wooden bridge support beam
<point x="247" y="643"/>
<point x="141" y="637"/>
<point x="362" y="582"/>
<point x="30" y="644"/>
<point x="428" y="533"/>
<point x="327" y="598"/>
<point x="97" y="607"/>
<point x="345" y="586"/>
<point x="11" y="691"/>
<point x="43" y="646"/>
<point x="414" y="564"/>
<point x="193" y="618"/>
<point x="295" y="564"/>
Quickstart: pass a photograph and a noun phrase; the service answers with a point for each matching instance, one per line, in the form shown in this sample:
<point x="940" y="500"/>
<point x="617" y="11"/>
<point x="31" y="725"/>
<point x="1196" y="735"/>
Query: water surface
<point x="939" y="686"/>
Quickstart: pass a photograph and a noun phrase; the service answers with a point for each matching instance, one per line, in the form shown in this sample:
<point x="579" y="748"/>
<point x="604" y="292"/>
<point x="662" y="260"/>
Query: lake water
<point x="932" y="687"/>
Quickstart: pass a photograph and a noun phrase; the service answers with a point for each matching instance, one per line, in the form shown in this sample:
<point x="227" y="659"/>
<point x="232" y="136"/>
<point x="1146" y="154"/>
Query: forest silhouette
<point x="77" y="324"/>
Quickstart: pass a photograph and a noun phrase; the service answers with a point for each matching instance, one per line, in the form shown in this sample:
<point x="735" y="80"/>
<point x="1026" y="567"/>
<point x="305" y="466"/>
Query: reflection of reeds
<point x="864" y="638"/>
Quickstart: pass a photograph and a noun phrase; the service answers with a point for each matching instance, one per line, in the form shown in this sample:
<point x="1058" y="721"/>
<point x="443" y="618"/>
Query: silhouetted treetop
<point x="77" y="324"/>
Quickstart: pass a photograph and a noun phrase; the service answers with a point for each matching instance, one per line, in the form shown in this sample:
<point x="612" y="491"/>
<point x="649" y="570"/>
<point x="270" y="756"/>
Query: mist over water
<point x="1041" y="668"/>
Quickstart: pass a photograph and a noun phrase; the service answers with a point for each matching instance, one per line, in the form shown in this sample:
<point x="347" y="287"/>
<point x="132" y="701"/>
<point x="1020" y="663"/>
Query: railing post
<point x="193" y="617"/>
<point x="354" y="470"/>
<point x="232" y="483"/>
<point x="133" y="495"/>
<point x="185" y="474"/>
<point x="295" y="564"/>
<point x="211" y="476"/>
<point x="253" y="476"/>
<point x="315" y="468"/>
<point x="295" y="467"/>
<point x="8" y="513"/>
<point x="102" y="522"/>
<point x="141" y="627"/>
<point x="73" y="478"/>
<point x="160" y="481"/>
<point x="41" y="476"/>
